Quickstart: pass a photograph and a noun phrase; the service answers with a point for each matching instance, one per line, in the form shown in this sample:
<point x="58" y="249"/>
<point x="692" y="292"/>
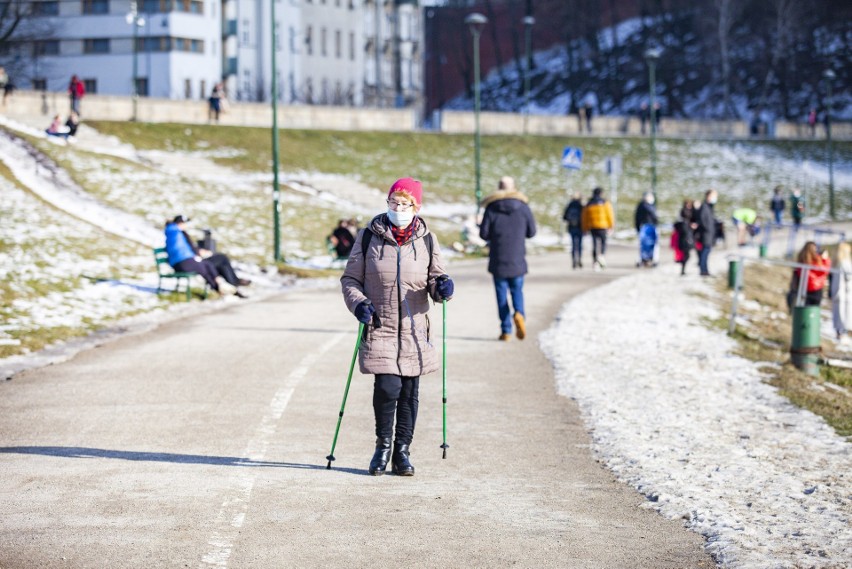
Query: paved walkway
<point x="202" y="444"/>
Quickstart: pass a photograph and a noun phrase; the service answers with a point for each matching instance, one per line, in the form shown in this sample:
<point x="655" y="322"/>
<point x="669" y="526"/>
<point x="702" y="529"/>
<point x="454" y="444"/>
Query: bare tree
<point x="726" y="15"/>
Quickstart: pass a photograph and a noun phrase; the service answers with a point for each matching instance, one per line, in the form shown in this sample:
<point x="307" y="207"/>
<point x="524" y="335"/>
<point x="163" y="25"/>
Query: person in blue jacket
<point x="506" y="224"/>
<point x="184" y="256"/>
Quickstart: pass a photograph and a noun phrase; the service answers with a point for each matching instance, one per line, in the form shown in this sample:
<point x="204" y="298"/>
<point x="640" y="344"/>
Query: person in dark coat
<point x="706" y="230"/>
<point x="573" y="218"/>
<point x="797" y="206"/>
<point x="776" y="204"/>
<point x="506" y="224"/>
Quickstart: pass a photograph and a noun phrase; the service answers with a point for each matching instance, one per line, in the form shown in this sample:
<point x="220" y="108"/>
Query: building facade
<point x="327" y="52"/>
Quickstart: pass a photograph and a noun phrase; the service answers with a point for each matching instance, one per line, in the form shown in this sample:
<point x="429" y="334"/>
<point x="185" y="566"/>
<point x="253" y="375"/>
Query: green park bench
<point x="165" y="271"/>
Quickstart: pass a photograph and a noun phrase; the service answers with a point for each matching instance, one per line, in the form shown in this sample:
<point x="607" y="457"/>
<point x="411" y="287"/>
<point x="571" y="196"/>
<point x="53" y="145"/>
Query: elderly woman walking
<point x="394" y="268"/>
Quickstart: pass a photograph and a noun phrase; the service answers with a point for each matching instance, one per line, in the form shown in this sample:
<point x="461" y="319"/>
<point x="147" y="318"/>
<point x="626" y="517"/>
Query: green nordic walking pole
<point x="445" y="446"/>
<point x="330" y="457"/>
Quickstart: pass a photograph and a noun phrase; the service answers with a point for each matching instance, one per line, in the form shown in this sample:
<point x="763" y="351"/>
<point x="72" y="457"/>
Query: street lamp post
<point x="276" y="229"/>
<point x="134" y="19"/>
<point x="528" y="24"/>
<point x="829" y="76"/>
<point x="652" y="55"/>
<point x="476" y="21"/>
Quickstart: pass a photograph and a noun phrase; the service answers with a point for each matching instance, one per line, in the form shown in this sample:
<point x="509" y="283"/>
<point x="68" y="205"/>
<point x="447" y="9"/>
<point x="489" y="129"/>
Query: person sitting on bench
<point x="184" y="256"/>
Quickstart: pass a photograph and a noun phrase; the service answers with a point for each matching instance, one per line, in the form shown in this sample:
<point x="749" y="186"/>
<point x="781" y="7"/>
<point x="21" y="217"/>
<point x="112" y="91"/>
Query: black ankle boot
<point x="380" y="458"/>
<point x="401" y="465"/>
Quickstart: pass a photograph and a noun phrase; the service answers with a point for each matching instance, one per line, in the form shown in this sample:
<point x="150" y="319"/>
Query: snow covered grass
<point x="697" y="429"/>
<point x="743" y="171"/>
<point x="50" y="266"/>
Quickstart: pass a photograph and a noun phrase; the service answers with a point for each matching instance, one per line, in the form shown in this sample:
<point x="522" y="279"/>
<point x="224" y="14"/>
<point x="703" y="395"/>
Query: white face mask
<point x="401" y="219"/>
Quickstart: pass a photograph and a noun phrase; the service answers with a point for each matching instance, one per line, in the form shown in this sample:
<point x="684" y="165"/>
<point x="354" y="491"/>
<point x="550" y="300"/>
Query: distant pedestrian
<point x="342" y="239"/>
<point x="706" y="231"/>
<point x="643" y="116"/>
<point x="645" y="220"/>
<point x="57" y="129"/>
<point x="683" y="236"/>
<point x="5" y="84"/>
<point x="394" y="268"/>
<point x="816" y="278"/>
<point x="73" y="123"/>
<point x="215" y="102"/>
<point x="598" y="219"/>
<point x="839" y="289"/>
<point x="797" y="206"/>
<point x="747" y="223"/>
<point x="573" y="218"/>
<point x="506" y="224"/>
<point x="776" y="204"/>
<point x="812" y="120"/>
<point x="76" y="91"/>
<point x="589" y="111"/>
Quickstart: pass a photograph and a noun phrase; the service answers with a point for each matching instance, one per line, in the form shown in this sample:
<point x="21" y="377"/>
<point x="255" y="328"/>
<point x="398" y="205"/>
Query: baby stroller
<point x="648" y="246"/>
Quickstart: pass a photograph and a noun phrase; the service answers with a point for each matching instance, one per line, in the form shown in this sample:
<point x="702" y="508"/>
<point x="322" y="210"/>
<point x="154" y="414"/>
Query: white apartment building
<point x="177" y="51"/>
<point x="328" y="52"/>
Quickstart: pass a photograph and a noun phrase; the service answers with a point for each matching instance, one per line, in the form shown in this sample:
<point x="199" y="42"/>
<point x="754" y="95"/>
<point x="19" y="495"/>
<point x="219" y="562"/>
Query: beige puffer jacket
<point x="395" y="280"/>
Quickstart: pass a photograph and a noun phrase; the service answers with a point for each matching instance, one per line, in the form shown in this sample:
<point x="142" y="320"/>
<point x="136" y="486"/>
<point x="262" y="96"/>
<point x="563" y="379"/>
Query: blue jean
<point x="576" y="244"/>
<point x="778" y="213"/>
<point x="703" y="256"/>
<point x="504" y="287"/>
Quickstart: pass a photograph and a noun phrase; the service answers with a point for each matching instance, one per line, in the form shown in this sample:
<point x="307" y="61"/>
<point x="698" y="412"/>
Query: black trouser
<point x="223" y="267"/>
<point x="396" y="395"/>
<point x="576" y="244"/>
<point x="598" y="240"/>
<point x="203" y="268"/>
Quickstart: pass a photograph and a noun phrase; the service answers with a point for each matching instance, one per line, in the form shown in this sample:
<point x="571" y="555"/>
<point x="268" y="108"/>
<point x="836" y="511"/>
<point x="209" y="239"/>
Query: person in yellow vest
<point x="747" y="223"/>
<point x="598" y="220"/>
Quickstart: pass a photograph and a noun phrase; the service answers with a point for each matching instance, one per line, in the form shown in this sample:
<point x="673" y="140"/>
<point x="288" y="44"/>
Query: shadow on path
<point x="85" y="452"/>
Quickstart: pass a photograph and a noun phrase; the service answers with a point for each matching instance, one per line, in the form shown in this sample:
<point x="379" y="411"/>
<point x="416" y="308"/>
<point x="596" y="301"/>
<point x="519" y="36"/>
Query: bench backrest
<point x="161" y="256"/>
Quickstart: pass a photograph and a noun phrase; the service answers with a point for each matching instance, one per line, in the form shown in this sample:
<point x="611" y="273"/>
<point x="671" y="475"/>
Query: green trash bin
<point x="805" y="345"/>
<point x="733" y="266"/>
<point x="763" y="251"/>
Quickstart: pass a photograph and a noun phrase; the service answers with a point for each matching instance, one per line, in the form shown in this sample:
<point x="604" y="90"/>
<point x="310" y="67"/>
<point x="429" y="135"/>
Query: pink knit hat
<point x="409" y="186"/>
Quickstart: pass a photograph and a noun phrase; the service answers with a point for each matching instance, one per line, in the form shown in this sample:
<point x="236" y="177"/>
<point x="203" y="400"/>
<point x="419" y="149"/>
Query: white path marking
<point x="232" y="514"/>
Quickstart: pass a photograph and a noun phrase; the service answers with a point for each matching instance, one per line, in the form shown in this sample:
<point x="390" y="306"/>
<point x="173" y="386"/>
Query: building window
<point x="246" y="36"/>
<point x="45" y="47"/>
<point x="187" y="89"/>
<point x="352" y="46"/>
<point x="337" y="47"/>
<point x="96" y="45"/>
<point x="142" y="86"/>
<point x="39" y="84"/>
<point x="96" y="6"/>
<point x="202" y="88"/>
<point x="309" y="48"/>
<point x="91" y="86"/>
<point x="323" y="38"/>
<point x="46" y="8"/>
<point x="165" y="43"/>
<point x="191" y="6"/>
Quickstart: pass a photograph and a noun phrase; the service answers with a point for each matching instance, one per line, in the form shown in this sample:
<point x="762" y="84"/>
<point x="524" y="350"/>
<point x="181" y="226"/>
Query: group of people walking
<point x="596" y="218"/>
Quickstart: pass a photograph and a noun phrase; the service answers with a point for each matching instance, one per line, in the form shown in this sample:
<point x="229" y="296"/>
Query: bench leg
<point x="188" y="290"/>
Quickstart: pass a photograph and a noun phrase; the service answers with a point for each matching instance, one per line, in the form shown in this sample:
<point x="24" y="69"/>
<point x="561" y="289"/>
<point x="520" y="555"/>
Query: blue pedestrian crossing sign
<point x="572" y="157"/>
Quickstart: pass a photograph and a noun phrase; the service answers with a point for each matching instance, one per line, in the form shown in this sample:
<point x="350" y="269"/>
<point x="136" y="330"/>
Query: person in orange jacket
<point x="598" y="219"/>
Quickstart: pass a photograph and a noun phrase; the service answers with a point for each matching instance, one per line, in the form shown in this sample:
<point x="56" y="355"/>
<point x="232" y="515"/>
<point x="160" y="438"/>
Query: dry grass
<point x="764" y="335"/>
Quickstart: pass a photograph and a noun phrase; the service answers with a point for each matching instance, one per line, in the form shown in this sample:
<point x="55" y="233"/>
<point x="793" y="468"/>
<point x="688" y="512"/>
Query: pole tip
<point x="328" y="466"/>
<point x="445" y="454"/>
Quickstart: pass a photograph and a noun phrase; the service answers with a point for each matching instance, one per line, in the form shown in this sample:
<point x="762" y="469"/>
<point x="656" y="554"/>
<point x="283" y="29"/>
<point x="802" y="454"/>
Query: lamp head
<point x="528" y="20"/>
<point x="829" y="74"/>
<point x="475" y="20"/>
<point x="652" y="54"/>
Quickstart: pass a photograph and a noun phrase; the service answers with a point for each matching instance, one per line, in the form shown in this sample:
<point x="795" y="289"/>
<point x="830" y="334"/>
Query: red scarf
<point x="403" y="235"/>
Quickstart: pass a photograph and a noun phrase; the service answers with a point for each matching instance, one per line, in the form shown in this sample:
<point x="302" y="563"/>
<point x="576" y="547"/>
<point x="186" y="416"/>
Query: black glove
<point x="364" y="311"/>
<point x="445" y="287"/>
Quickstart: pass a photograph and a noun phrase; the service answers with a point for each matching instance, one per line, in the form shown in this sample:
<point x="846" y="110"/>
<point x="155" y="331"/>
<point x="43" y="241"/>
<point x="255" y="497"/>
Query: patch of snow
<point x="696" y="429"/>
